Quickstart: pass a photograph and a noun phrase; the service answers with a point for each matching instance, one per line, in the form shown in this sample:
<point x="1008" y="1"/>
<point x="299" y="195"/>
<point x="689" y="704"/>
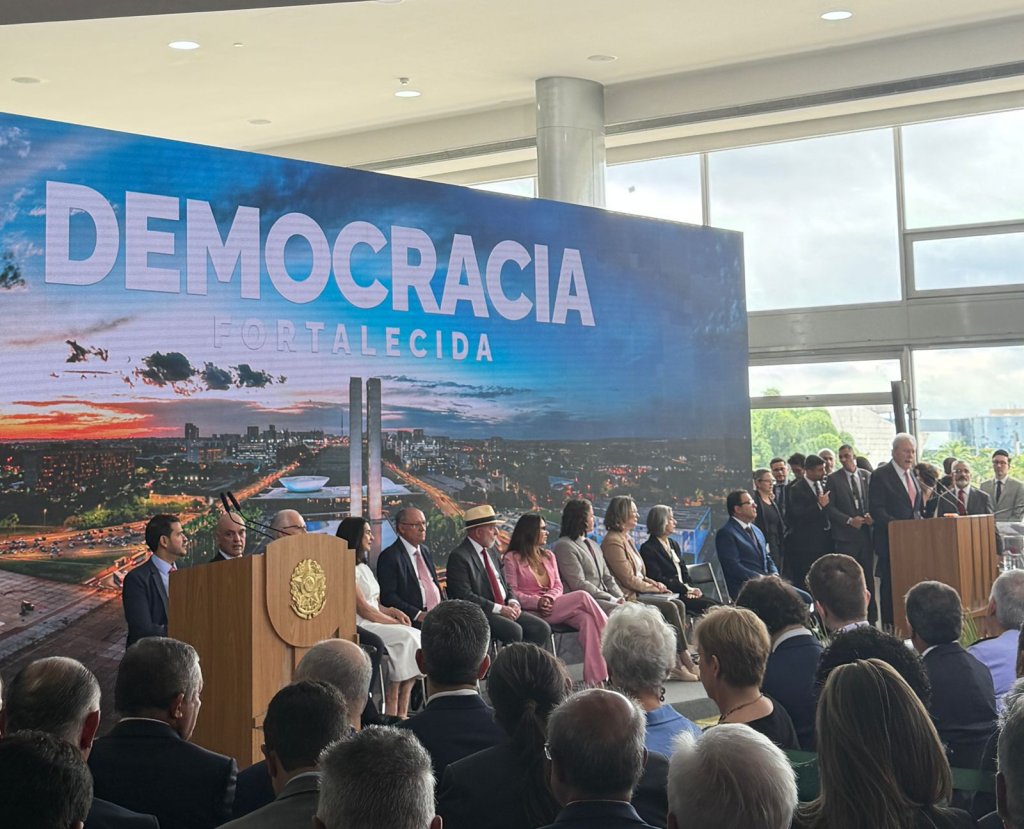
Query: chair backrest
<point x="703" y="576"/>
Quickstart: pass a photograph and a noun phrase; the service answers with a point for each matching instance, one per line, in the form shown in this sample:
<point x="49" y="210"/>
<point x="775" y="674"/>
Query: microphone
<point x="231" y="505"/>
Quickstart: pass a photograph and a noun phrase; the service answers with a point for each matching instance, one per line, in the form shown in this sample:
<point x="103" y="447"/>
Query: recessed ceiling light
<point x="183" y="45"/>
<point x="259" y="122"/>
<point x="405" y="91"/>
<point x="838" y="14"/>
<point x="25" y="79"/>
<point x="238" y="45"/>
<point x="603" y="58"/>
<point x="389" y="2"/>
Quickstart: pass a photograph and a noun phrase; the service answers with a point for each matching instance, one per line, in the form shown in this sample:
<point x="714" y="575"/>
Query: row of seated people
<point x="543" y="757"/>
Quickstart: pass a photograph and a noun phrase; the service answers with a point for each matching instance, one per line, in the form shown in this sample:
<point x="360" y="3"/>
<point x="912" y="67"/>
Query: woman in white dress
<point x="401" y="640"/>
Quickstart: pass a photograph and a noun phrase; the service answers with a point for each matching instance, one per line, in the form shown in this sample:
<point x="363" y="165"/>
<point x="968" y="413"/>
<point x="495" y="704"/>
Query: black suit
<point x="145" y="602"/>
<point x="843" y="505"/>
<point x="106" y="815"/>
<point x="145" y="766"/>
<point x="220" y="556"/>
<point x="487" y="789"/>
<point x="659" y="566"/>
<point x="451" y="728"/>
<point x="889" y="501"/>
<point x="807" y="532"/>
<point x="598" y="814"/>
<point x="977" y="503"/>
<point x="963" y="705"/>
<point x="467" y="579"/>
<point x="789" y="680"/>
<point x="400" y="583"/>
<point x="253" y="790"/>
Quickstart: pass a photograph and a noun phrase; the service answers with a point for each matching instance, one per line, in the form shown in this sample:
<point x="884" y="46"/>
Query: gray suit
<point x="581" y="566"/>
<point x="294" y="808"/>
<point x="1010" y="506"/>
<point x="978" y="502"/>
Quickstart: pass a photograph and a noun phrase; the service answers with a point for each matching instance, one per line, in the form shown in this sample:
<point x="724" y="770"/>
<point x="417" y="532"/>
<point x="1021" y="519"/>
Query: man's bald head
<point x="229" y="535"/>
<point x="342" y="664"/>
<point x="596" y="743"/>
<point x="288" y="522"/>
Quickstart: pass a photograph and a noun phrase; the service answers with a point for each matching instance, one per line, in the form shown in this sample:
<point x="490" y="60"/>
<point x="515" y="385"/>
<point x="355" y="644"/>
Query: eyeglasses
<point x="297" y="527"/>
<point x="420" y="524"/>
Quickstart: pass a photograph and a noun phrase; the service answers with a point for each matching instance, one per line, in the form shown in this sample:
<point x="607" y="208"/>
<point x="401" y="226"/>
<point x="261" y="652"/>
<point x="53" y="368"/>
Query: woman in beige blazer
<point x="626" y="565"/>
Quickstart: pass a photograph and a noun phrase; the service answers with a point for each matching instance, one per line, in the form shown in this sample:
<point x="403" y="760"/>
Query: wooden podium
<point x="958" y="551"/>
<point x="251" y="619"/>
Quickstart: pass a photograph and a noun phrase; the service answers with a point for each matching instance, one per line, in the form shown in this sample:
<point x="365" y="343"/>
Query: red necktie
<point x="493" y="579"/>
<point x="962" y="505"/>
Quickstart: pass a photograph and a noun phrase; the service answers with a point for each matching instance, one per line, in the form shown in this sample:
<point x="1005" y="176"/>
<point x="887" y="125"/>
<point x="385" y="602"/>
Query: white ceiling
<point x="331" y="70"/>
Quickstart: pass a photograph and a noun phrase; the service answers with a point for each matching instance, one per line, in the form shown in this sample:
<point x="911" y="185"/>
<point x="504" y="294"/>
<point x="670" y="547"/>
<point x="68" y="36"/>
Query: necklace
<point x="736" y="708"/>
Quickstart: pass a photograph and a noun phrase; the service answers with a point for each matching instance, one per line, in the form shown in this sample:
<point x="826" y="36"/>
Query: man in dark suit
<point x="962" y="498"/>
<point x="229" y="537"/>
<point x="144" y="591"/>
<point x="778" y="468"/>
<point x="44" y="782"/>
<point x="808" y="535"/>
<point x="453" y="654"/>
<point x="963" y="703"/>
<point x="850" y="517"/>
<point x="474" y="575"/>
<point x="596" y="746"/>
<point x="405" y="570"/>
<point x="893" y="495"/>
<point x="62" y="697"/>
<point x="740" y="545"/>
<point x="146" y="762"/>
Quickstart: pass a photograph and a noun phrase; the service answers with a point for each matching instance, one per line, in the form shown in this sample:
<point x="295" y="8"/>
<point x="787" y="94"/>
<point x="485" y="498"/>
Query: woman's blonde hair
<point x="739" y="640"/>
<point x="879" y="755"/>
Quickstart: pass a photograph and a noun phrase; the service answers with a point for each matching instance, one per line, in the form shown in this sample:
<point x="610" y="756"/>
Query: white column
<point x="355" y="444"/>
<point x="570" y="141"/>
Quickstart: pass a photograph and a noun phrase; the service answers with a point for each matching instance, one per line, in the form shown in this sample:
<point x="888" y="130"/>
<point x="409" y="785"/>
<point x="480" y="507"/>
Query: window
<point x="852" y="377"/>
<point x="968" y="261"/>
<point x="511" y="187"/>
<point x="662" y="188"/>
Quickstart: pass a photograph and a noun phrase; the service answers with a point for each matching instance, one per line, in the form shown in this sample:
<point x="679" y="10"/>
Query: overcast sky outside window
<point x="662" y="188"/>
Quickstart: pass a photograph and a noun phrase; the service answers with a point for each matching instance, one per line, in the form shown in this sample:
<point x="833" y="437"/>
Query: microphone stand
<point x="232" y="508"/>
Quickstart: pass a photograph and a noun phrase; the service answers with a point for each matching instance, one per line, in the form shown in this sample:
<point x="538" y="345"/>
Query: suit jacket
<point x="451" y="728"/>
<point x="293" y="808"/>
<point x="145" y="602"/>
<point x="106" y="815"/>
<point x="598" y="814"/>
<point x="143" y="765"/>
<point x="488" y="789"/>
<point x="739" y="559"/>
<point x="806" y="533"/>
<point x="660" y="567"/>
<point x="253" y="790"/>
<point x="789" y="680"/>
<point x="582" y="566"/>
<point x="624" y="562"/>
<point x="963" y="705"/>
<point x="889" y="501"/>
<point x="769" y="521"/>
<point x="399" y="582"/>
<point x="779" y="492"/>
<point x="977" y="503"/>
<point x="219" y="556"/>
<point x="468" y="580"/>
<point x="841" y="507"/>
<point x="1010" y="506"/>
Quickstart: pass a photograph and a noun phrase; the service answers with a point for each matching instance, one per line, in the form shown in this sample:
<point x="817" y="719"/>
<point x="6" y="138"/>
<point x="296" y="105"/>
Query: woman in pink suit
<point x="532" y="575"/>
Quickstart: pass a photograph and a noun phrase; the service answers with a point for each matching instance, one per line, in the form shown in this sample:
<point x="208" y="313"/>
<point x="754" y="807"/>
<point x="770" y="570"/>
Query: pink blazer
<point x="523" y="582"/>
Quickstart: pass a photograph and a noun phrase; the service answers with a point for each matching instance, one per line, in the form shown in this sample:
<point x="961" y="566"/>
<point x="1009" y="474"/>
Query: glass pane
<point x="824" y="378"/>
<point x="964" y="171"/>
<point x="969" y="261"/>
<point x="663" y="188"/>
<point x="781" y="432"/>
<point x="818" y="217"/>
<point x="511" y="187"/>
<point x="970" y="403"/>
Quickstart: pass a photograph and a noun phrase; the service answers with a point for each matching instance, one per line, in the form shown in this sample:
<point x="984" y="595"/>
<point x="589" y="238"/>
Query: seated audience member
<point x="456" y="722"/>
<point x="640" y="649"/>
<point x="734" y="773"/>
<point x="377" y="779"/>
<point x="789" y="675"/>
<point x="531" y="573"/>
<point x="44" y="782"/>
<point x="625" y="563"/>
<point x="405" y="570"/>
<point x="506" y="785"/>
<point x="663" y="560"/>
<point x="62" y="697"/>
<point x="734" y="645"/>
<point x="998" y="653"/>
<point x="836" y="582"/>
<point x="963" y="704"/>
<point x="144" y="592"/>
<point x="401" y="640"/>
<point x="339" y="663"/>
<point x="302" y="720"/>
<point x="870" y="643"/>
<point x="157" y="696"/>
<point x="581" y="563"/>
<point x="474" y="575"/>
<point x="596" y="745"/>
<point x="740" y="545"/>
<point x="880" y="761"/>
<point x="1010" y="777"/>
<point x="770" y="519"/>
